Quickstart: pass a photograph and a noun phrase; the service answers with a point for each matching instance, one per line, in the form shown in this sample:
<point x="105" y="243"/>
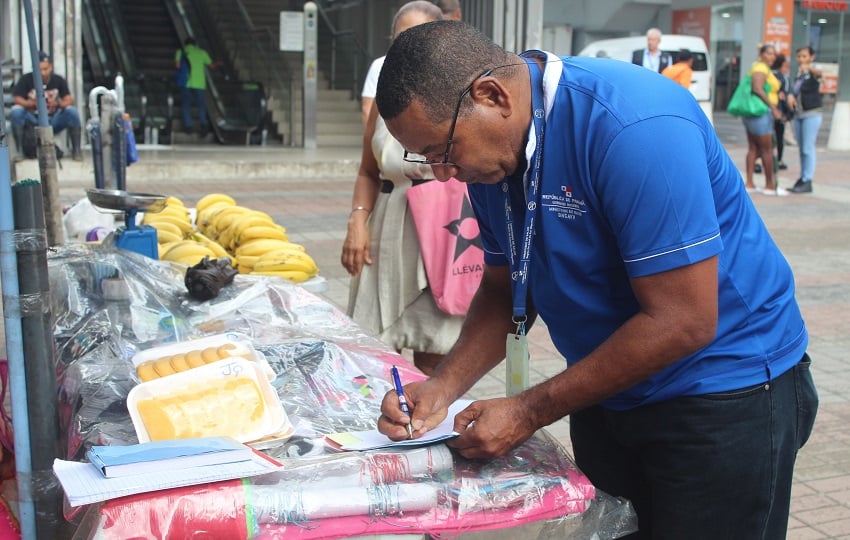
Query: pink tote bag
<point x="450" y="241"/>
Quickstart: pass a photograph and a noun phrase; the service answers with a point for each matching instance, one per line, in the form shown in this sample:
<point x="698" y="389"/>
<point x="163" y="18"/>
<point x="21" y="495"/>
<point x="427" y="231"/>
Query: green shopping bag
<point x="744" y="102"/>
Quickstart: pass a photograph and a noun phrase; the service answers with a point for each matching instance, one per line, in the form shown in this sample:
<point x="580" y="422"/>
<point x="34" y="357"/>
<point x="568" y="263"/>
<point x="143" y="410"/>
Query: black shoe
<point x="782" y="166"/>
<point x="187" y="130"/>
<point x="802" y="187"/>
<point x="203" y="131"/>
<point x="757" y="168"/>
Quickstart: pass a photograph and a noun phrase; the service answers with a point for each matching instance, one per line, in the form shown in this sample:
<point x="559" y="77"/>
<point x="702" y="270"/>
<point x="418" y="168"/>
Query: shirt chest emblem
<point x="565" y="204"/>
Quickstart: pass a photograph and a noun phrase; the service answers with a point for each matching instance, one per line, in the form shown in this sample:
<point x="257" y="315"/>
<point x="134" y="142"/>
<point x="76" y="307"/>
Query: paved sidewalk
<point x="309" y="192"/>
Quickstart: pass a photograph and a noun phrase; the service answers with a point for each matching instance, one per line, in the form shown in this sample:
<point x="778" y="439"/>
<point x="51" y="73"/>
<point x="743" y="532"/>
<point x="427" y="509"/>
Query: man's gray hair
<point x="428" y="9"/>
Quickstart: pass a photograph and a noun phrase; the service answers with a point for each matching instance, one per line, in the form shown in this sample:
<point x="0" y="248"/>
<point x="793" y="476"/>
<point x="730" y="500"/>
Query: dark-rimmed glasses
<point x="416" y="158"/>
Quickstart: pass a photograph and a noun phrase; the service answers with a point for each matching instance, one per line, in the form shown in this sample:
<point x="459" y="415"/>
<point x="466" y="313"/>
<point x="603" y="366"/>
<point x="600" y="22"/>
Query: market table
<point x="330" y="377"/>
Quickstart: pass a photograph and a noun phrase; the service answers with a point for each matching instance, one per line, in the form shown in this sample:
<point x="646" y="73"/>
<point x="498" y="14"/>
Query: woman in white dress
<point x="389" y="294"/>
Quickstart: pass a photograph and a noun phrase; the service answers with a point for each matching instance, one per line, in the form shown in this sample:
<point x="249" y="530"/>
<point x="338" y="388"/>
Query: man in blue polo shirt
<point x="688" y="384"/>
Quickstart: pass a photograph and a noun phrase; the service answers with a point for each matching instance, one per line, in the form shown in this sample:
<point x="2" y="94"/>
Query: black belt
<point x="387" y="185"/>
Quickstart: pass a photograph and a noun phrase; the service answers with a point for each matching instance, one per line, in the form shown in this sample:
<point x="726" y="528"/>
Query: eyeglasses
<point x="416" y="158"/>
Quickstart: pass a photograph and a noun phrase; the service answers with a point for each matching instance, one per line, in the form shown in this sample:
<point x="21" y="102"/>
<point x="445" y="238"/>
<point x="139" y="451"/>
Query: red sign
<point x="778" y="24"/>
<point x="824" y="5"/>
<point x="693" y="22"/>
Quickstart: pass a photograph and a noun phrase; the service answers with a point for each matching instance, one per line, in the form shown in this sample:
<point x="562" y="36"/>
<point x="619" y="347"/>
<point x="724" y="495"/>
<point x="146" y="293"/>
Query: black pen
<point x="402" y="401"/>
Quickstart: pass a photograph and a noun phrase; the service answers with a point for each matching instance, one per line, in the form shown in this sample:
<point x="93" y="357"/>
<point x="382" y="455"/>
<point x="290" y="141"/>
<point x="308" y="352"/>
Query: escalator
<point x="145" y="56"/>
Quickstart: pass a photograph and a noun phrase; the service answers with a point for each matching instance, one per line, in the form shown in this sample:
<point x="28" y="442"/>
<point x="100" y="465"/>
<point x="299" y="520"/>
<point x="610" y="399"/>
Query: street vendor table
<point x="330" y="377"/>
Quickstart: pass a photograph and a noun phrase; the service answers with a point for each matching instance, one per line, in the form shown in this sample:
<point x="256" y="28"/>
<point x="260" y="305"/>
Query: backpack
<point x="29" y="144"/>
<point x="182" y="74"/>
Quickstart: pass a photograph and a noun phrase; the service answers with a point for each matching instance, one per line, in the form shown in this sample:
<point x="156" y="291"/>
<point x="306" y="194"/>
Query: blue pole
<point x="15" y="342"/>
<point x="36" y="62"/>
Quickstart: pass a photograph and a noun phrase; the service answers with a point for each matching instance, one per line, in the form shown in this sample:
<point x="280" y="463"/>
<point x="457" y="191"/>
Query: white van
<point x="624" y="48"/>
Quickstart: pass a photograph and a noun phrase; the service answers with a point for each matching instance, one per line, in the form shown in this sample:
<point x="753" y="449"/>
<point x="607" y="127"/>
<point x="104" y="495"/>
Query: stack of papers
<point x="136" y="469"/>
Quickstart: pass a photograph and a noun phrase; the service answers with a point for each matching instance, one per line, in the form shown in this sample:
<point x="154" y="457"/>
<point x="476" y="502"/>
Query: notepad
<point x="85" y="484"/>
<point x="167" y="455"/>
<point x="374" y="440"/>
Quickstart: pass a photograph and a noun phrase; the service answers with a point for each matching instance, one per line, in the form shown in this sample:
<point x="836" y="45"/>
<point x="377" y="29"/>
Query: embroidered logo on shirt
<point x="565" y="205"/>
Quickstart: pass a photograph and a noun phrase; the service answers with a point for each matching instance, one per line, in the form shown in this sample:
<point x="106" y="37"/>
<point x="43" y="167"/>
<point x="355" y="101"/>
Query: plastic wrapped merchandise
<point x="330" y="376"/>
<point x="534" y="492"/>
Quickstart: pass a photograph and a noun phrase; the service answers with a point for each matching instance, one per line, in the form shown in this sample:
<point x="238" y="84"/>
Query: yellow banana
<point x="165" y="247"/>
<point x="213" y="198"/>
<point x="204" y="217"/>
<point x="179" y="212"/>
<point x="174" y="201"/>
<point x="185" y="226"/>
<point x="225" y="237"/>
<point x="247" y="260"/>
<point x="168" y="227"/>
<point x="257" y="247"/>
<point x="227" y="215"/>
<point x="187" y="249"/>
<point x="165" y="236"/>
<point x="286" y="260"/>
<point x="250" y="219"/>
<point x="290" y="275"/>
<point x="192" y="260"/>
<point x="273" y="232"/>
<point x="213" y="246"/>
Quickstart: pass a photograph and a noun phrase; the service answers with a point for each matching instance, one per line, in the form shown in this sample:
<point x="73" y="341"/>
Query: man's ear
<point x="491" y="92"/>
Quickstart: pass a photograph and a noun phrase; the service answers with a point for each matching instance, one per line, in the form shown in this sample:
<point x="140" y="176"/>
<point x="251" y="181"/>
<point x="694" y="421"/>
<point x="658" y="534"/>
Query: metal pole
<point x="40" y="363"/>
<point x="310" y="73"/>
<point x="14" y="341"/>
<point x="107" y="110"/>
<point x="46" y="148"/>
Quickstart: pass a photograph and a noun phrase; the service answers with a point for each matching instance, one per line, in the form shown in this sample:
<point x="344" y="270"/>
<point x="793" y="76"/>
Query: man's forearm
<point x="26" y="103"/>
<point x="481" y="345"/>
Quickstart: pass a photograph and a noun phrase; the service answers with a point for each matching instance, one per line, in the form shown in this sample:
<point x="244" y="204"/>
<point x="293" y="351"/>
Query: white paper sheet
<point x="373" y="439"/>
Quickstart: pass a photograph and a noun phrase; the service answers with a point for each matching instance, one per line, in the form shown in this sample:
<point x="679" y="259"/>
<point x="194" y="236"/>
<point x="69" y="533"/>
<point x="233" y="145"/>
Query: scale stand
<point x="141" y="239"/>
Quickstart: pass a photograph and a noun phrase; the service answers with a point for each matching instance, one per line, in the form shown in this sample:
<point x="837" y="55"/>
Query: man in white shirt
<point x="652" y="57"/>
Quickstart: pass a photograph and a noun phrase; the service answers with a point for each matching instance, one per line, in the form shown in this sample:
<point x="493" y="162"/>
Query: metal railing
<point x="353" y="51"/>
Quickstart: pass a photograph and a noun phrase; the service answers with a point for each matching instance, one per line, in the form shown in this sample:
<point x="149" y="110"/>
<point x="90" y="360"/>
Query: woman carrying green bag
<point x="765" y="86"/>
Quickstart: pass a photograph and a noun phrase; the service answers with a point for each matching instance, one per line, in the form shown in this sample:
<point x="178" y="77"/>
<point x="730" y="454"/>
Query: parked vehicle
<point x="624" y="48"/>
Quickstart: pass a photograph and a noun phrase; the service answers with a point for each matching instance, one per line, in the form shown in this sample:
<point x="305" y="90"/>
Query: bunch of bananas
<point x="248" y="235"/>
<point x="250" y="239"/>
<point x="172" y="224"/>
<point x="188" y="252"/>
<point x="291" y="262"/>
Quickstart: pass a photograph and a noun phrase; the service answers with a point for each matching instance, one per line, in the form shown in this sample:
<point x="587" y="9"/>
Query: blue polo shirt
<point x="635" y="182"/>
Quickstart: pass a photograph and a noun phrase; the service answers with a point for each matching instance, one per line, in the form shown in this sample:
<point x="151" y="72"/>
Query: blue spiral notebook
<point x="113" y="461"/>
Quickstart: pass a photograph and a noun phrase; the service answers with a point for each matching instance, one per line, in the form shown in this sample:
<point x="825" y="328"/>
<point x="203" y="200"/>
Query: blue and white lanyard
<point x="520" y="259"/>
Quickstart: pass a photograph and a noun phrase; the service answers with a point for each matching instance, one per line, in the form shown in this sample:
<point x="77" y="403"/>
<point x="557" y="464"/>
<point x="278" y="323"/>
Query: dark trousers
<point x="187" y="97"/>
<point x="779" y="130"/>
<point x="703" y="467"/>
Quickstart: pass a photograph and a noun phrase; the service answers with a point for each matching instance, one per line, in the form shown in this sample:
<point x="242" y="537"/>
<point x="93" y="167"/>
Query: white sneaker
<point x="778" y="192"/>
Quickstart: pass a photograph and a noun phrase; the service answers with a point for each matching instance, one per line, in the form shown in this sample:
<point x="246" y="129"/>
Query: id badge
<point x="516" y="356"/>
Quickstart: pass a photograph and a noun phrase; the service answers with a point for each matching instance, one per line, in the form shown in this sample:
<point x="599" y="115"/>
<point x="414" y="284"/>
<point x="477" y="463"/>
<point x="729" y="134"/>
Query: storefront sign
<point x="824" y="5"/>
<point x="778" y="24"/>
<point x="829" y="77"/>
<point x="693" y="22"/>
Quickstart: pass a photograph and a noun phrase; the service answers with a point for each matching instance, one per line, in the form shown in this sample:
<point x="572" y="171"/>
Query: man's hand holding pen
<point x="427" y="404"/>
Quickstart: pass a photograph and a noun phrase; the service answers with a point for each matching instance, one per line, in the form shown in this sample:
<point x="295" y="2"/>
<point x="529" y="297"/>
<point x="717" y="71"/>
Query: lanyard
<point x="520" y="256"/>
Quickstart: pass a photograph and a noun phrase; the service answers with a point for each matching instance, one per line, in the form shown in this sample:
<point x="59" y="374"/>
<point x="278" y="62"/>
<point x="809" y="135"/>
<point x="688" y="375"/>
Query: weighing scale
<point x="138" y="238"/>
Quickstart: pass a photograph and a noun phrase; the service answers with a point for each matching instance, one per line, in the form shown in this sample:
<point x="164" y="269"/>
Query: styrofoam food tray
<point x="242" y="347"/>
<point x="206" y="397"/>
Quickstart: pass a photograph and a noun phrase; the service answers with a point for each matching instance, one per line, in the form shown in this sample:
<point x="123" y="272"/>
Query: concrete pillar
<point x="839" y="132"/>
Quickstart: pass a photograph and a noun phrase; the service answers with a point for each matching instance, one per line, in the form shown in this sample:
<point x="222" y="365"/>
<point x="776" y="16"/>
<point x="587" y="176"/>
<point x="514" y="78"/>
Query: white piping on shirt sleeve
<point x="672" y="250"/>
